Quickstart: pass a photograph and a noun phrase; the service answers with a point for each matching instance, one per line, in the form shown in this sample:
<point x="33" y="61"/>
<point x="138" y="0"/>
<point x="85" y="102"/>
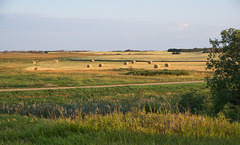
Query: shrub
<point x="196" y="103"/>
<point x="224" y="62"/>
<point x="158" y="72"/>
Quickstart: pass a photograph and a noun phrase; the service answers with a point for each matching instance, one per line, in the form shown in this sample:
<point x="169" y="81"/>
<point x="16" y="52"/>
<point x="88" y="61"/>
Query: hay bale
<point x="92" y="60"/>
<point x="150" y="62"/>
<point x="36" y="68"/>
<point x="126" y="63"/>
<point x="33" y="62"/>
<point x="133" y="61"/>
<point x="156" y="66"/>
<point x="55" y="61"/>
<point x="89" y="66"/>
<point x="167" y="65"/>
<point x="100" y="65"/>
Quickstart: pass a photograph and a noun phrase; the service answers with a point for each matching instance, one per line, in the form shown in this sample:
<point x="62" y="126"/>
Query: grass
<point x="113" y="93"/>
<point x="67" y="103"/>
<point x="17" y="71"/>
<point x="116" y="128"/>
<point x="78" y="61"/>
<point x="146" y="56"/>
<point x="82" y="65"/>
<point x="158" y="72"/>
<point x="116" y="115"/>
<point x="16" y="78"/>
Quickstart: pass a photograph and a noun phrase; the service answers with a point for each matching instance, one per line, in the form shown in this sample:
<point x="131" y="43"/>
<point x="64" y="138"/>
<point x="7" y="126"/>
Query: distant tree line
<point x="131" y="50"/>
<point x="39" y="52"/>
<point x="203" y="50"/>
<point x="31" y="51"/>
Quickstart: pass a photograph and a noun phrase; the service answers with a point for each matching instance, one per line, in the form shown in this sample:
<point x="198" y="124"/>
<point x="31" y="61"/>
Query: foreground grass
<point x="118" y="115"/>
<point x="117" y="128"/>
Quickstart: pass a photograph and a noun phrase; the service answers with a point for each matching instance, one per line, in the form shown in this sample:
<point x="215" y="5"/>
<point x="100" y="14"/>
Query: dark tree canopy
<point x="225" y="82"/>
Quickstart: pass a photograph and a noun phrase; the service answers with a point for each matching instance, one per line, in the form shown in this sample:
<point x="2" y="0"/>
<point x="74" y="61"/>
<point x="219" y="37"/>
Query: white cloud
<point x="182" y="26"/>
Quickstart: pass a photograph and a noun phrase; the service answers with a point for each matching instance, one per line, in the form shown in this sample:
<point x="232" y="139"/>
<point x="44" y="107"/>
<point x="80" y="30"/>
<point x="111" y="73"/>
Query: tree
<point x="224" y="61"/>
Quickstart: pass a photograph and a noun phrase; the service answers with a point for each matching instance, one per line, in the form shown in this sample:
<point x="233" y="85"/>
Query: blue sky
<point x="103" y="25"/>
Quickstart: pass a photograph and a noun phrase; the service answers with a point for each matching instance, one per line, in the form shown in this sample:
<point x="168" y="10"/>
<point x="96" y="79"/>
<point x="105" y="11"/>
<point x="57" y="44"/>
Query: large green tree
<point x="225" y="82"/>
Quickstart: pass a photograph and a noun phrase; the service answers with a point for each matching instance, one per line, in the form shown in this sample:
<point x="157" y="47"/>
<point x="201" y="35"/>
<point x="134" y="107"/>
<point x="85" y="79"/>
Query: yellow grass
<point x="81" y="65"/>
<point x="45" y="61"/>
<point x="147" y="56"/>
<point x="48" y="55"/>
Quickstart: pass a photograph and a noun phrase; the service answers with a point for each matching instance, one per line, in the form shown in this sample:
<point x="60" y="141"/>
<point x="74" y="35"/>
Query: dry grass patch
<point x="81" y="65"/>
<point x="48" y="55"/>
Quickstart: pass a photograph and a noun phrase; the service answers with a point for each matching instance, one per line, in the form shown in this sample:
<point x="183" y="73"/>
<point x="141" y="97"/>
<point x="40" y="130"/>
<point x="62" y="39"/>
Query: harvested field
<point x="73" y="71"/>
<point x="80" y="65"/>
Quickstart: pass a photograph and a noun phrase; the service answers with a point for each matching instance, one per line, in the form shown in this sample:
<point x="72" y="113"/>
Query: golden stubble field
<point x="111" y="60"/>
<point x="78" y="65"/>
<point x="18" y="71"/>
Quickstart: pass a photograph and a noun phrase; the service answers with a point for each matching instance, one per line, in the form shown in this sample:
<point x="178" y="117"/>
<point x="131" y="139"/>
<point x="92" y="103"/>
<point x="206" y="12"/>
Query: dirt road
<point x="104" y="86"/>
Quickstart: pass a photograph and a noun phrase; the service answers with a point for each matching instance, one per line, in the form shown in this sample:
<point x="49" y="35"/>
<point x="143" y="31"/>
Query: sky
<point x="110" y="25"/>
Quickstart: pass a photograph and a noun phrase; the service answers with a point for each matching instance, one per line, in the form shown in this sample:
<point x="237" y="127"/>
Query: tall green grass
<point x="118" y="115"/>
<point x="62" y="103"/>
<point x="137" y="127"/>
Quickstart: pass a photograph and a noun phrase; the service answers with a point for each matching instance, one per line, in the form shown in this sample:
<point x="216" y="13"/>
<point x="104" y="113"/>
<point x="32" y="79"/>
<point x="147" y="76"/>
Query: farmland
<point x="154" y="114"/>
<point x="17" y="71"/>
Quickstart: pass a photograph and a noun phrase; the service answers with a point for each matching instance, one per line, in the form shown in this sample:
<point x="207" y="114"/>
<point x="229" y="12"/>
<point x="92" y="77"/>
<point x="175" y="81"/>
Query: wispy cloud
<point x="182" y="26"/>
<point x="27" y="31"/>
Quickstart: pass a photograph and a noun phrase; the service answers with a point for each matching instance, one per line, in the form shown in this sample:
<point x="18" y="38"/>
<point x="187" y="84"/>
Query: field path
<point x="103" y="86"/>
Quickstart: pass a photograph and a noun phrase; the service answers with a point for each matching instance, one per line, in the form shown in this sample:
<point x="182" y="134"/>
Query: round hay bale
<point x="92" y="60"/>
<point x="133" y="61"/>
<point x="55" y="61"/>
<point x="100" y="65"/>
<point x="156" y="66"/>
<point x="126" y="63"/>
<point x="167" y="65"/>
<point x="33" y="62"/>
<point x="150" y="62"/>
<point x="36" y="68"/>
<point x="89" y="66"/>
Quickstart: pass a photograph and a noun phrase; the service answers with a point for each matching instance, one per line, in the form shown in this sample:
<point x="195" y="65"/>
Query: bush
<point x="196" y="103"/>
<point x="158" y="72"/>
<point x="231" y="111"/>
<point x="224" y="62"/>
